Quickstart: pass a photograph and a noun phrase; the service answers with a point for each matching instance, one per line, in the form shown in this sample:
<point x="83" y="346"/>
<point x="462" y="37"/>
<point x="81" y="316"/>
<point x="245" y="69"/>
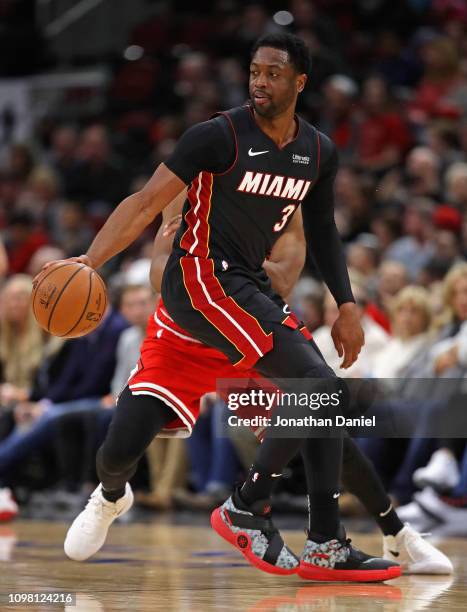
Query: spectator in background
<point x="21" y="350"/>
<point x="72" y="231"/>
<point x="20" y="161"/>
<point x="423" y="173"/>
<point x="307" y="301"/>
<point x="383" y="137"/>
<point x="84" y="377"/>
<point x="97" y="180"/>
<point x="363" y="257"/>
<point x="456" y="186"/>
<point x="392" y="278"/>
<point x="41" y="196"/>
<point x="62" y="154"/>
<point x="22" y="240"/>
<point x="337" y="118"/>
<point x="21" y="340"/>
<point x="443" y="139"/>
<point x="42" y="256"/>
<point x="387" y="227"/>
<point x="442" y="90"/>
<point x="415" y="249"/>
<point x="353" y="203"/>
<point x="410" y="322"/>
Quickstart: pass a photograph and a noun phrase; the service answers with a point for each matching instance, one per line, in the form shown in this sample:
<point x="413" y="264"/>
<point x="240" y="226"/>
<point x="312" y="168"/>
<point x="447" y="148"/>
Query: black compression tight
<point x="137" y="420"/>
<point x="294" y="357"/>
<point x="360" y="478"/>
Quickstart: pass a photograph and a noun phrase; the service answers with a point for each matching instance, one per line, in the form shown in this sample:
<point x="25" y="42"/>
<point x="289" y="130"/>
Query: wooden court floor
<point x="161" y="566"/>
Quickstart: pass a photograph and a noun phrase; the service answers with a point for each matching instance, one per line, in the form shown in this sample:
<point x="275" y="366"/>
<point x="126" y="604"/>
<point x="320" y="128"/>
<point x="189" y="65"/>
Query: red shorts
<point x="178" y="369"/>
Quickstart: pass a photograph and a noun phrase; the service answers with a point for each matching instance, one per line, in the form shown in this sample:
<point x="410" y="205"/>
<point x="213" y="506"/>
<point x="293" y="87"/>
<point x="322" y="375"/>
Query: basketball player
<point x="248" y="170"/>
<point x="401" y="544"/>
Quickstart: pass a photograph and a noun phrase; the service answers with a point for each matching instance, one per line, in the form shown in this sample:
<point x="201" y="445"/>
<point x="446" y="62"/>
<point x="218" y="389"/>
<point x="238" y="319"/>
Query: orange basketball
<point x="69" y="299"/>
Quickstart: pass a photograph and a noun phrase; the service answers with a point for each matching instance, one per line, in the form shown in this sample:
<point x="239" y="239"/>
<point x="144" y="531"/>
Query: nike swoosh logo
<point x="395" y="553"/>
<point x="253" y="153"/>
<point x="286" y="309"/>
<point x="336" y="495"/>
<point x="275" y="475"/>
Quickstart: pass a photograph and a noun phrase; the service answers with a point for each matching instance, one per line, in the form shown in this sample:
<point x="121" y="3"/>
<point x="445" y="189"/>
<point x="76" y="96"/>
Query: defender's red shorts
<point x="178" y="369"/>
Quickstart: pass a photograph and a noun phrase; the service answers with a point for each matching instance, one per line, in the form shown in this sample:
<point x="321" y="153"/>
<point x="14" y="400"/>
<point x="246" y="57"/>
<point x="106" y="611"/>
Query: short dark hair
<point x="298" y="52"/>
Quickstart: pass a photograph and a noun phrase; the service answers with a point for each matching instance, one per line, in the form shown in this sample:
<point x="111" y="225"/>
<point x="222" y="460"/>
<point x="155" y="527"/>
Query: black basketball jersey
<point x="235" y="217"/>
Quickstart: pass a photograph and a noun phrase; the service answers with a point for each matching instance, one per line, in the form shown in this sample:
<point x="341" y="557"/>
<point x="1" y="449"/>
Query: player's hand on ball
<point x="347" y="334"/>
<point x="84" y="259"/>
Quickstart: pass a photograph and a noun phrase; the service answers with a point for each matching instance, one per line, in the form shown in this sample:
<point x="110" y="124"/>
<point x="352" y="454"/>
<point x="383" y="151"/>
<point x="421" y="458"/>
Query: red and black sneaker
<point x="338" y="560"/>
<point x="255" y="536"/>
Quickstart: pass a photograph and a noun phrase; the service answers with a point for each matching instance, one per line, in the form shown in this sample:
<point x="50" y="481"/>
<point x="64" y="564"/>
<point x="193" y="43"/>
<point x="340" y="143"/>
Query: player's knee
<point x="112" y="462"/>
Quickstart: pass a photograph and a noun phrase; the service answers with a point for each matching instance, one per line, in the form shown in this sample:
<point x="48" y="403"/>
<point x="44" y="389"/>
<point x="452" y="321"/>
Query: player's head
<point x="278" y="72"/>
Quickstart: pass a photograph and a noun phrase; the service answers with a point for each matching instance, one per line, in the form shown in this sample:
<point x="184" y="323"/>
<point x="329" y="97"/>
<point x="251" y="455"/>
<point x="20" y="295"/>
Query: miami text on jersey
<point x="271" y="185"/>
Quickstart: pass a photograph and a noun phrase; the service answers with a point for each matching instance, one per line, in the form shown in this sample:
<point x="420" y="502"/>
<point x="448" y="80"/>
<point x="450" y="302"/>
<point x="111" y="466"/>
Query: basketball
<point x="69" y="299"/>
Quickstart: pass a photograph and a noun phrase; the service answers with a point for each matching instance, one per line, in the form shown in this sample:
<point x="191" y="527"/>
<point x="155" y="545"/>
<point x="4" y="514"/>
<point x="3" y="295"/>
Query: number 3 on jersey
<point x="286" y="212"/>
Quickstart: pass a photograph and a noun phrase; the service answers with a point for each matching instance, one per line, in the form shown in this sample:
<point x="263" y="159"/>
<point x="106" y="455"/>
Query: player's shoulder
<point x="324" y="141"/>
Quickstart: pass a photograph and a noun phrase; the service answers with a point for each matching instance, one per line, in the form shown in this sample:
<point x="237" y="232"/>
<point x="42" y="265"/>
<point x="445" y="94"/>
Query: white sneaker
<point x="8" y="506"/>
<point x="415" y="555"/>
<point x="88" y="531"/>
<point x="442" y="472"/>
<point x="452" y="520"/>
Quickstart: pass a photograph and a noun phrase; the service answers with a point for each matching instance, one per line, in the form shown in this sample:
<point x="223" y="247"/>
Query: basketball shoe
<point x="415" y="555"/>
<point x="255" y="535"/>
<point x="441" y="473"/>
<point x="338" y="560"/>
<point x="88" y="531"/>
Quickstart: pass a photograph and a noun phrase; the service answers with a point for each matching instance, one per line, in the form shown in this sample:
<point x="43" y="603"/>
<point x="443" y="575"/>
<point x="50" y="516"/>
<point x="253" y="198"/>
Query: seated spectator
<point x="307" y="301"/>
<point x="41" y="196"/>
<point x="392" y="277"/>
<point x="97" y="180"/>
<point x="21" y="350"/>
<point x="383" y="137"/>
<point x="415" y="248"/>
<point x="22" y="341"/>
<point x="363" y="256"/>
<point x="456" y="185"/>
<point x="337" y="119"/>
<point x="84" y="377"/>
<point x="62" y="154"/>
<point x="353" y="203"/>
<point x="442" y="90"/>
<point x="23" y="239"/>
<point x="43" y="255"/>
<point x="72" y="231"/>
<point x="445" y="358"/>
<point x="410" y="322"/>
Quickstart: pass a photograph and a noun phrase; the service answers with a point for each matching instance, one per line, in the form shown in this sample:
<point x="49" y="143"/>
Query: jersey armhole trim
<point x="233" y="164"/>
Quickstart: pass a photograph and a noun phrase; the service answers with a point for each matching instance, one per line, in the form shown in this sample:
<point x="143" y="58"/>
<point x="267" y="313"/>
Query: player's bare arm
<point x="287" y="258"/>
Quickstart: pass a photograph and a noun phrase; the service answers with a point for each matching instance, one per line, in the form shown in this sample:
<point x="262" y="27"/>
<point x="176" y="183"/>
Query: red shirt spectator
<point x="23" y="241"/>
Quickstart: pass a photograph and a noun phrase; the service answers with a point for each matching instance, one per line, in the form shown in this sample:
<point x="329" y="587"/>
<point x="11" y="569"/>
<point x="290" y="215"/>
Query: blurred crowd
<point x="389" y="85"/>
